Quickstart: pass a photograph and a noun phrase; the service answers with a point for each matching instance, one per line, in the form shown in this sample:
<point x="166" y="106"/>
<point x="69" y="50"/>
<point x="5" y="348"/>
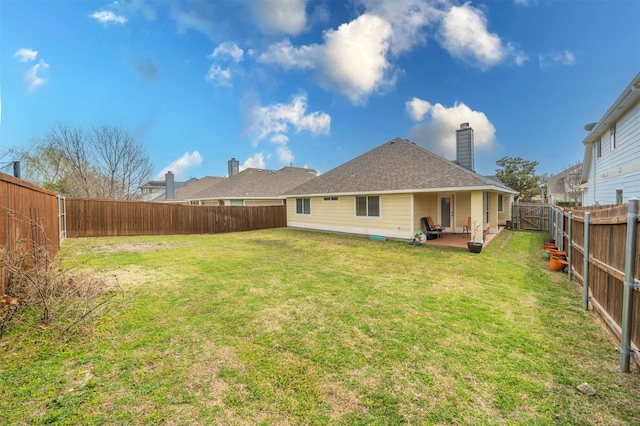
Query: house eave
<point x="410" y="191"/>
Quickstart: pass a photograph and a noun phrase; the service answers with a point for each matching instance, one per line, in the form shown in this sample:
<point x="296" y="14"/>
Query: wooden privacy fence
<point x="101" y="218"/>
<point x="602" y="249"/>
<point x="530" y="216"/>
<point x="29" y="219"/>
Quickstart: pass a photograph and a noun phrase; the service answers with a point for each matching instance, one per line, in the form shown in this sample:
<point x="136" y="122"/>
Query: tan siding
<point x="395" y="219"/>
<point x="424" y="205"/>
<point x="463" y="209"/>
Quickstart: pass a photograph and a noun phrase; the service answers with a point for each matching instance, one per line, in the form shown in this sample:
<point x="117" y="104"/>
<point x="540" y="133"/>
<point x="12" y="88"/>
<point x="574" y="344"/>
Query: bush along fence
<point x="29" y="220"/>
<point x="602" y="250"/>
<point x="100" y="218"/>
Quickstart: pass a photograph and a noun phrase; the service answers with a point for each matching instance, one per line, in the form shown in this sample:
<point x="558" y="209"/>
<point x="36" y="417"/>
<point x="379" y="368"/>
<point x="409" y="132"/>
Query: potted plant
<point x="473" y="245"/>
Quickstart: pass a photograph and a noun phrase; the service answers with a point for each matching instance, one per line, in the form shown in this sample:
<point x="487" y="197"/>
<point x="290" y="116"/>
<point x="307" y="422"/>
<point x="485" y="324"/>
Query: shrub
<point x="45" y="295"/>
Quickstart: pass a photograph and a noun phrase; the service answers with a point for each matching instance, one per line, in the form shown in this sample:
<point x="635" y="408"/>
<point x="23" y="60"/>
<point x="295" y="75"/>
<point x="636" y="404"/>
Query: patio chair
<point x="433" y="225"/>
<point x="466" y="229"/>
<point x="430" y="232"/>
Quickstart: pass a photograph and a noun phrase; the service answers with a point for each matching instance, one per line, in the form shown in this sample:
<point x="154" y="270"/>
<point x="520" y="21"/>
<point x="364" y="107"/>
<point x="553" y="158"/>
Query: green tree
<point x="519" y="175"/>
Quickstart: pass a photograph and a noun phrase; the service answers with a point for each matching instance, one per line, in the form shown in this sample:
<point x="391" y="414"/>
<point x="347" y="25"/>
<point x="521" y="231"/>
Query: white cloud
<point x="352" y="60"/>
<point x="565" y="57"/>
<point x="280" y="139"/>
<point x="417" y="108"/>
<point x="355" y="57"/>
<point x="280" y="16"/>
<point x="219" y="76"/>
<point x="285" y="156"/>
<point x="26" y="55"/>
<point x="408" y="19"/>
<point x="465" y="36"/>
<point x="34" y="78"/>
<point x="181" y="165"/>
<point x="271" y="120"/>
<point x="108" y="17"/>
<point x="438" y="132"/>
<point x="256" y="162"/>
<point x="288" y="56"/>
<point x="229" y="49"/>
<point x="199" y="17"/>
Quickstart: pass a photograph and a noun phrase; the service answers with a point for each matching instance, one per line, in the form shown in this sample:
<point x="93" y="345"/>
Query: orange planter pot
<point x="556" y="264"/>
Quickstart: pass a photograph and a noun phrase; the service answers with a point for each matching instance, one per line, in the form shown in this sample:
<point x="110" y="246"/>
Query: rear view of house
<point x="387" y="191"/>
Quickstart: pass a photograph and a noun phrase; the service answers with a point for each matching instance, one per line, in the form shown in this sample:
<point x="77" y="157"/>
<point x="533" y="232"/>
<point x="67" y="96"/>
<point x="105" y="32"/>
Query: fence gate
<point x="530" y="216"/>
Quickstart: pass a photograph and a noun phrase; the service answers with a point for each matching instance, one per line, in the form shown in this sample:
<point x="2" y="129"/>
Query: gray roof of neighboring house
<point x="257" y="183"/>
<point x="563" y="181"/>
<point x="184" y="190"/>
<point x="397" y="166"/>
<point x="191" y="188"/>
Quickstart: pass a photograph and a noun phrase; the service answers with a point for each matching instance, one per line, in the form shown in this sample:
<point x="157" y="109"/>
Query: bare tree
<point x="121" y="162"/>
<point x="105" y="162"/>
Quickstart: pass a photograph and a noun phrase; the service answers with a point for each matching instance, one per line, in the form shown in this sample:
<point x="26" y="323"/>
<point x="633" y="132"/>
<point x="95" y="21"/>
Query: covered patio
<point x="460" y="240"/>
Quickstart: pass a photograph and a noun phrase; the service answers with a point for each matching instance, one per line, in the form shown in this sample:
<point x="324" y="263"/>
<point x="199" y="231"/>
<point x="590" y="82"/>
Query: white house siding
<point x="340" y="216"/>
<point x="619" y="168"/>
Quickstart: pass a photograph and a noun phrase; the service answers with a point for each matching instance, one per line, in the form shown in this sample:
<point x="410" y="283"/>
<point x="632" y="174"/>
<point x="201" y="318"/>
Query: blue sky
<point x="316" y="83"/>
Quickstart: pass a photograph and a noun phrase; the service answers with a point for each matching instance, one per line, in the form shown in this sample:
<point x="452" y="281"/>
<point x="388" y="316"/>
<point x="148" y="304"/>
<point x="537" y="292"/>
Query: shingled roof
<point x="397" y="166"/>
<point x="565" y="181"/>
<point x="257" y="183"/>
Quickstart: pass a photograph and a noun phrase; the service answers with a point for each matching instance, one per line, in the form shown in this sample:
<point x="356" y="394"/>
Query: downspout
<point x="595" y="157"/>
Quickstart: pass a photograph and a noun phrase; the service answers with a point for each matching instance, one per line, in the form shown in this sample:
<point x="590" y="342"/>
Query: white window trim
<point x="612" y="137"/>
<point x="303" y="213"/>
<point x="355" y="208"/>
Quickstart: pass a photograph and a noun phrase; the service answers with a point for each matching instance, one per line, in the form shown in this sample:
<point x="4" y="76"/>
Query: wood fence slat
<point x="95" y="218"/>
<point x="28" y="219"/>
<point x="607" y="244"/>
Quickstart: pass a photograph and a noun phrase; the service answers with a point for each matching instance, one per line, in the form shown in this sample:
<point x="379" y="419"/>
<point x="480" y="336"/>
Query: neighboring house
<point x="254" y="187"/>
<point x="193" y="186"/>
<point x="565" y="186"/>
<point x="168" y="191"/>
<point x="611" y="166"/>
<point x="387" y="190"/>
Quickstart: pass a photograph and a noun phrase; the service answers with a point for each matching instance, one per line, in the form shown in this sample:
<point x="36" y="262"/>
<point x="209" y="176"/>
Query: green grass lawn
<point x="292" y="327"/>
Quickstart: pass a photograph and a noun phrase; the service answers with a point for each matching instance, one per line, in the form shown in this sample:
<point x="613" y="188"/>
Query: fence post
<point x="570" y="245"/>
<point x="629" y="274"/>
<point x="560" y="214"/>
<point x="585" y="263"/>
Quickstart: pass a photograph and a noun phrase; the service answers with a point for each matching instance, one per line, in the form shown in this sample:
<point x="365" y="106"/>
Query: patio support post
<point x="585" y="263"/>
<point x="570" y="245"/>
<point x="629" y="275"/>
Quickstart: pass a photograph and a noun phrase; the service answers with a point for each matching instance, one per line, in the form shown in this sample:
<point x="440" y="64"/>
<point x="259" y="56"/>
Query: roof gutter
<point x="410" y="191"/>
